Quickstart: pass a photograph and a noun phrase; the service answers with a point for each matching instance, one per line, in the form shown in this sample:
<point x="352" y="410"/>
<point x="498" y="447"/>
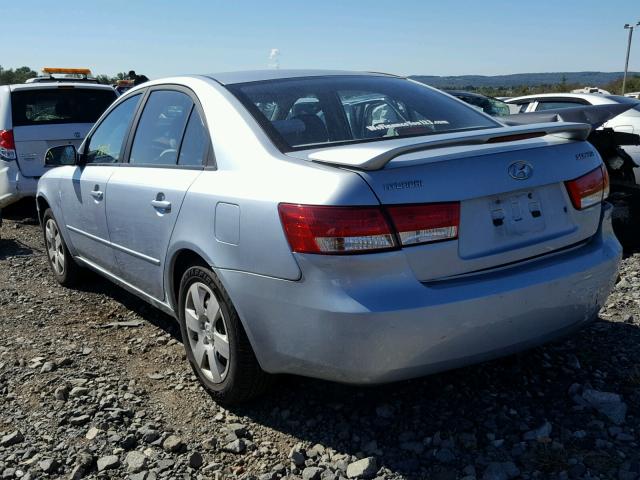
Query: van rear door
<point x="53" y="114"/>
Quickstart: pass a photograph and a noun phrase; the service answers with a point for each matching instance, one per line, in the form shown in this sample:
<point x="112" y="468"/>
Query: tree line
<point x="9" y="76"/>
<point x="20" y="74"/>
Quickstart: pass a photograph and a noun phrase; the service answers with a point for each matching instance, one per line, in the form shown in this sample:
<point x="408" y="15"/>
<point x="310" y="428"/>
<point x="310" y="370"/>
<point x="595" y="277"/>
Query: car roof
<point x="229" y="78"/>
<point x="52" y="85"/>
<point x="596" y="98"/>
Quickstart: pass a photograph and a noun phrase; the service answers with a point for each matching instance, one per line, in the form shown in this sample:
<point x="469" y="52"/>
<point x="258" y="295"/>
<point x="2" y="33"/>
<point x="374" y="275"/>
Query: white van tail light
<point x="344" y="230"/>
<point x="589" y="189"/>
<point x="426" y="223"/>
<point x="7" y="145"/>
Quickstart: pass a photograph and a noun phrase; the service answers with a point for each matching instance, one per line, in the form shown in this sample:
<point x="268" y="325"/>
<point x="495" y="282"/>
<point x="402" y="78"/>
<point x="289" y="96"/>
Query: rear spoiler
<point x="594" y="115"/>
<point x="375" y="155"/>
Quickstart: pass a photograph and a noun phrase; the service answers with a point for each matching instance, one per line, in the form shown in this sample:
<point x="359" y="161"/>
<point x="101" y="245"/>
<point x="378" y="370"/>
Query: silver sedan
<point x="356" y="227"/>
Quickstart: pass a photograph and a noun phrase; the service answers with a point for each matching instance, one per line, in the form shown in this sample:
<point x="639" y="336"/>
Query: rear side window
<point x="195" y="143"/>
<point x="161" y="128"/>
<point x="556" y="105"/>
<point x="319" y="111"/>
<point x="59" y="105"/>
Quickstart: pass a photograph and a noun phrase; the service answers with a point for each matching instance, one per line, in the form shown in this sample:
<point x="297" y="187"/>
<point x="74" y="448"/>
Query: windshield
<point x="311" y="112"/>
<point x="490" y="106"/>
<point x="59" y="105"/>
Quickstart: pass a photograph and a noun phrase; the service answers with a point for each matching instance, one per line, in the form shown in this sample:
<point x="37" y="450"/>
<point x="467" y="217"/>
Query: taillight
<point x="341" y="230"/>
<point x="7" y="145"/>
<point x="335" y="230"/>
<point x="425" y="223"/>
<point x="589" y="189"/>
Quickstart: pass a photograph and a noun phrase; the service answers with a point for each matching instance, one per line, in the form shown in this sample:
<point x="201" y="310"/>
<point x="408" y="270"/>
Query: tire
<point x="65" y="270"/>
<point x="215" y="342"/>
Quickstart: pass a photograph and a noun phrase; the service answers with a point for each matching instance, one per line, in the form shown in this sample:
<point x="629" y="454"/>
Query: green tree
<point x="19" y="75"/>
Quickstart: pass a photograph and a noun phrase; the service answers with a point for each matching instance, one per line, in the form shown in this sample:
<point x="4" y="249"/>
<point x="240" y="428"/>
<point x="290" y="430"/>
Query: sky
<point x="456" y="37"/>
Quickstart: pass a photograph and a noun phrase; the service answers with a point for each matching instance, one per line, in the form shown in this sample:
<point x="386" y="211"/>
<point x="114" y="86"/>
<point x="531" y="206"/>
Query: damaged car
<point x="355" y="227"/>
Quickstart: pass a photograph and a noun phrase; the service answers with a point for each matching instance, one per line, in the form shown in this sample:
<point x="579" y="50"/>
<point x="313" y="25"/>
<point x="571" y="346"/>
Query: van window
<point x="59" y="105"/>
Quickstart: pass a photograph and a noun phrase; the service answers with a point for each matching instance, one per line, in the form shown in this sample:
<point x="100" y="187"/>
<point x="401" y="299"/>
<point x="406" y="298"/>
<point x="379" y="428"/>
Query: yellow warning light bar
<point x="123" y="83"/>
<point x="75" y="71"/>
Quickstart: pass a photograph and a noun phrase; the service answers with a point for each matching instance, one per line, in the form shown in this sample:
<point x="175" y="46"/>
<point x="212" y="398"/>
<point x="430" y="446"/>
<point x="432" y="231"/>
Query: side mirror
<point x="61" y="155"/>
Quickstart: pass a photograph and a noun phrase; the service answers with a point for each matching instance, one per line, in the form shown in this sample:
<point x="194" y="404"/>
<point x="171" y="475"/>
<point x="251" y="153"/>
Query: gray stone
<point x="239" y="430"/>
<point x="444" y="455"/>
<point x="148" y="434"/>
<point x="296" y="457"/>
<point x="136" y="461"/>
<point x="79" y="420"/>
<point x="48" y="465"/>
<point x="236" y="446"/>
<point x="173" y="444"/>
<point x="608" y="404"/>
<point x="78" y="472"/>
<point x="12" y="438"/>
<point x="501" y="471"/>
<point x="61" y="393"/>
<point x="364" y="468"/>
<point x="78" y="392"/>
<point x="109" y="462"/>
<point x="92" y="433"/>
<point x="543" y="431"/>
<point x="48" y="367"/>
<point x="311" y="473"/>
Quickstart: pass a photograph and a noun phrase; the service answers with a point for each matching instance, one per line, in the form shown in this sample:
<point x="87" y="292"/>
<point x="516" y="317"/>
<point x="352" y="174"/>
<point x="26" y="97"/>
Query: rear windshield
<point x="314" y="112"/>
<point x="59" y="105"/>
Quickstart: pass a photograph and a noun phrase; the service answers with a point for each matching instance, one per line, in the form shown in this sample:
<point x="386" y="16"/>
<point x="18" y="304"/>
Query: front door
<point x="83" y="190"/>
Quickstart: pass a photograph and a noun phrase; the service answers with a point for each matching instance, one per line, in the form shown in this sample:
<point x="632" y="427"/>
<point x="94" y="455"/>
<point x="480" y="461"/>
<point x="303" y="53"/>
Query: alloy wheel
<point x="207" y="332"/>
<point x="55" y="248"/>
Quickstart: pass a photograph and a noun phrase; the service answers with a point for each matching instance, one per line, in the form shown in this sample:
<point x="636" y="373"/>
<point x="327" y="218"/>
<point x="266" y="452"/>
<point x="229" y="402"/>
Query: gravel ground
<point x="94" y="384"/>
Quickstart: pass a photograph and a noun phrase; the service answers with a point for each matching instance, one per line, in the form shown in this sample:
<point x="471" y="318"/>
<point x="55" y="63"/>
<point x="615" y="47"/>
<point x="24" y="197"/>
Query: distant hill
<point x="591" y="79"/>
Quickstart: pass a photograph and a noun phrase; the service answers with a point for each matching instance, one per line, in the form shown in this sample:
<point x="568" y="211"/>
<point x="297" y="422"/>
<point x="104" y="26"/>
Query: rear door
<point x="168" y="152"/>
<point x="50" y="115"/>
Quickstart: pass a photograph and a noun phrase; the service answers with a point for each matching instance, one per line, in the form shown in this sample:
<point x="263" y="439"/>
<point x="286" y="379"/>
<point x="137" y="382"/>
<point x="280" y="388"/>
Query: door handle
<point x="161" y="205"/>
<point x="97" y="194"/>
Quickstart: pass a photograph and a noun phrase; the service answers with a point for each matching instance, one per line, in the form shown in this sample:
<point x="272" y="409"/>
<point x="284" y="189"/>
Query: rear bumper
<point x="368" y="320"/>
<point x="14" y="186"/>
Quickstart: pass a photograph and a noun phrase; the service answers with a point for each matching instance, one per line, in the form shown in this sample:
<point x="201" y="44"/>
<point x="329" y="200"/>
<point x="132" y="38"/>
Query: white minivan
<point x="38" y="115"/>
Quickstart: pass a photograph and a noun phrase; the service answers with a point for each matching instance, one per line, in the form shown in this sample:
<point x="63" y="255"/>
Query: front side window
<point x="160" y="129"/>
<point x="315" y="112"/>
<point x="106" y="141"/>
<point x="59" y="105"/>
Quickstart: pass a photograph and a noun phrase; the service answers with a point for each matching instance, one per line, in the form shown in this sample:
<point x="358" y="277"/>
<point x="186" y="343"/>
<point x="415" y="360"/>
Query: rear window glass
<point x="59" y="105"/>
<point x="314" y="112"/>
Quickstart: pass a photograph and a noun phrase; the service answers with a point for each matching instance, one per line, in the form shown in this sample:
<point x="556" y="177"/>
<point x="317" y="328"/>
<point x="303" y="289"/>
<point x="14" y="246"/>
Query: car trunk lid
<point x="505" y="216"/>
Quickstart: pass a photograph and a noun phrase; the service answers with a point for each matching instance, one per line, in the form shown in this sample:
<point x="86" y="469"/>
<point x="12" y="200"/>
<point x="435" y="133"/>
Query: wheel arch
<point x="179" y="261"/>
<point x="42" y="204"/>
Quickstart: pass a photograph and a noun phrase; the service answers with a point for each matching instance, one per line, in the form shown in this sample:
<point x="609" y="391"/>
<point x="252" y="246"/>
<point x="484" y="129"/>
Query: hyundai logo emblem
<point x="520" y="170"/>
